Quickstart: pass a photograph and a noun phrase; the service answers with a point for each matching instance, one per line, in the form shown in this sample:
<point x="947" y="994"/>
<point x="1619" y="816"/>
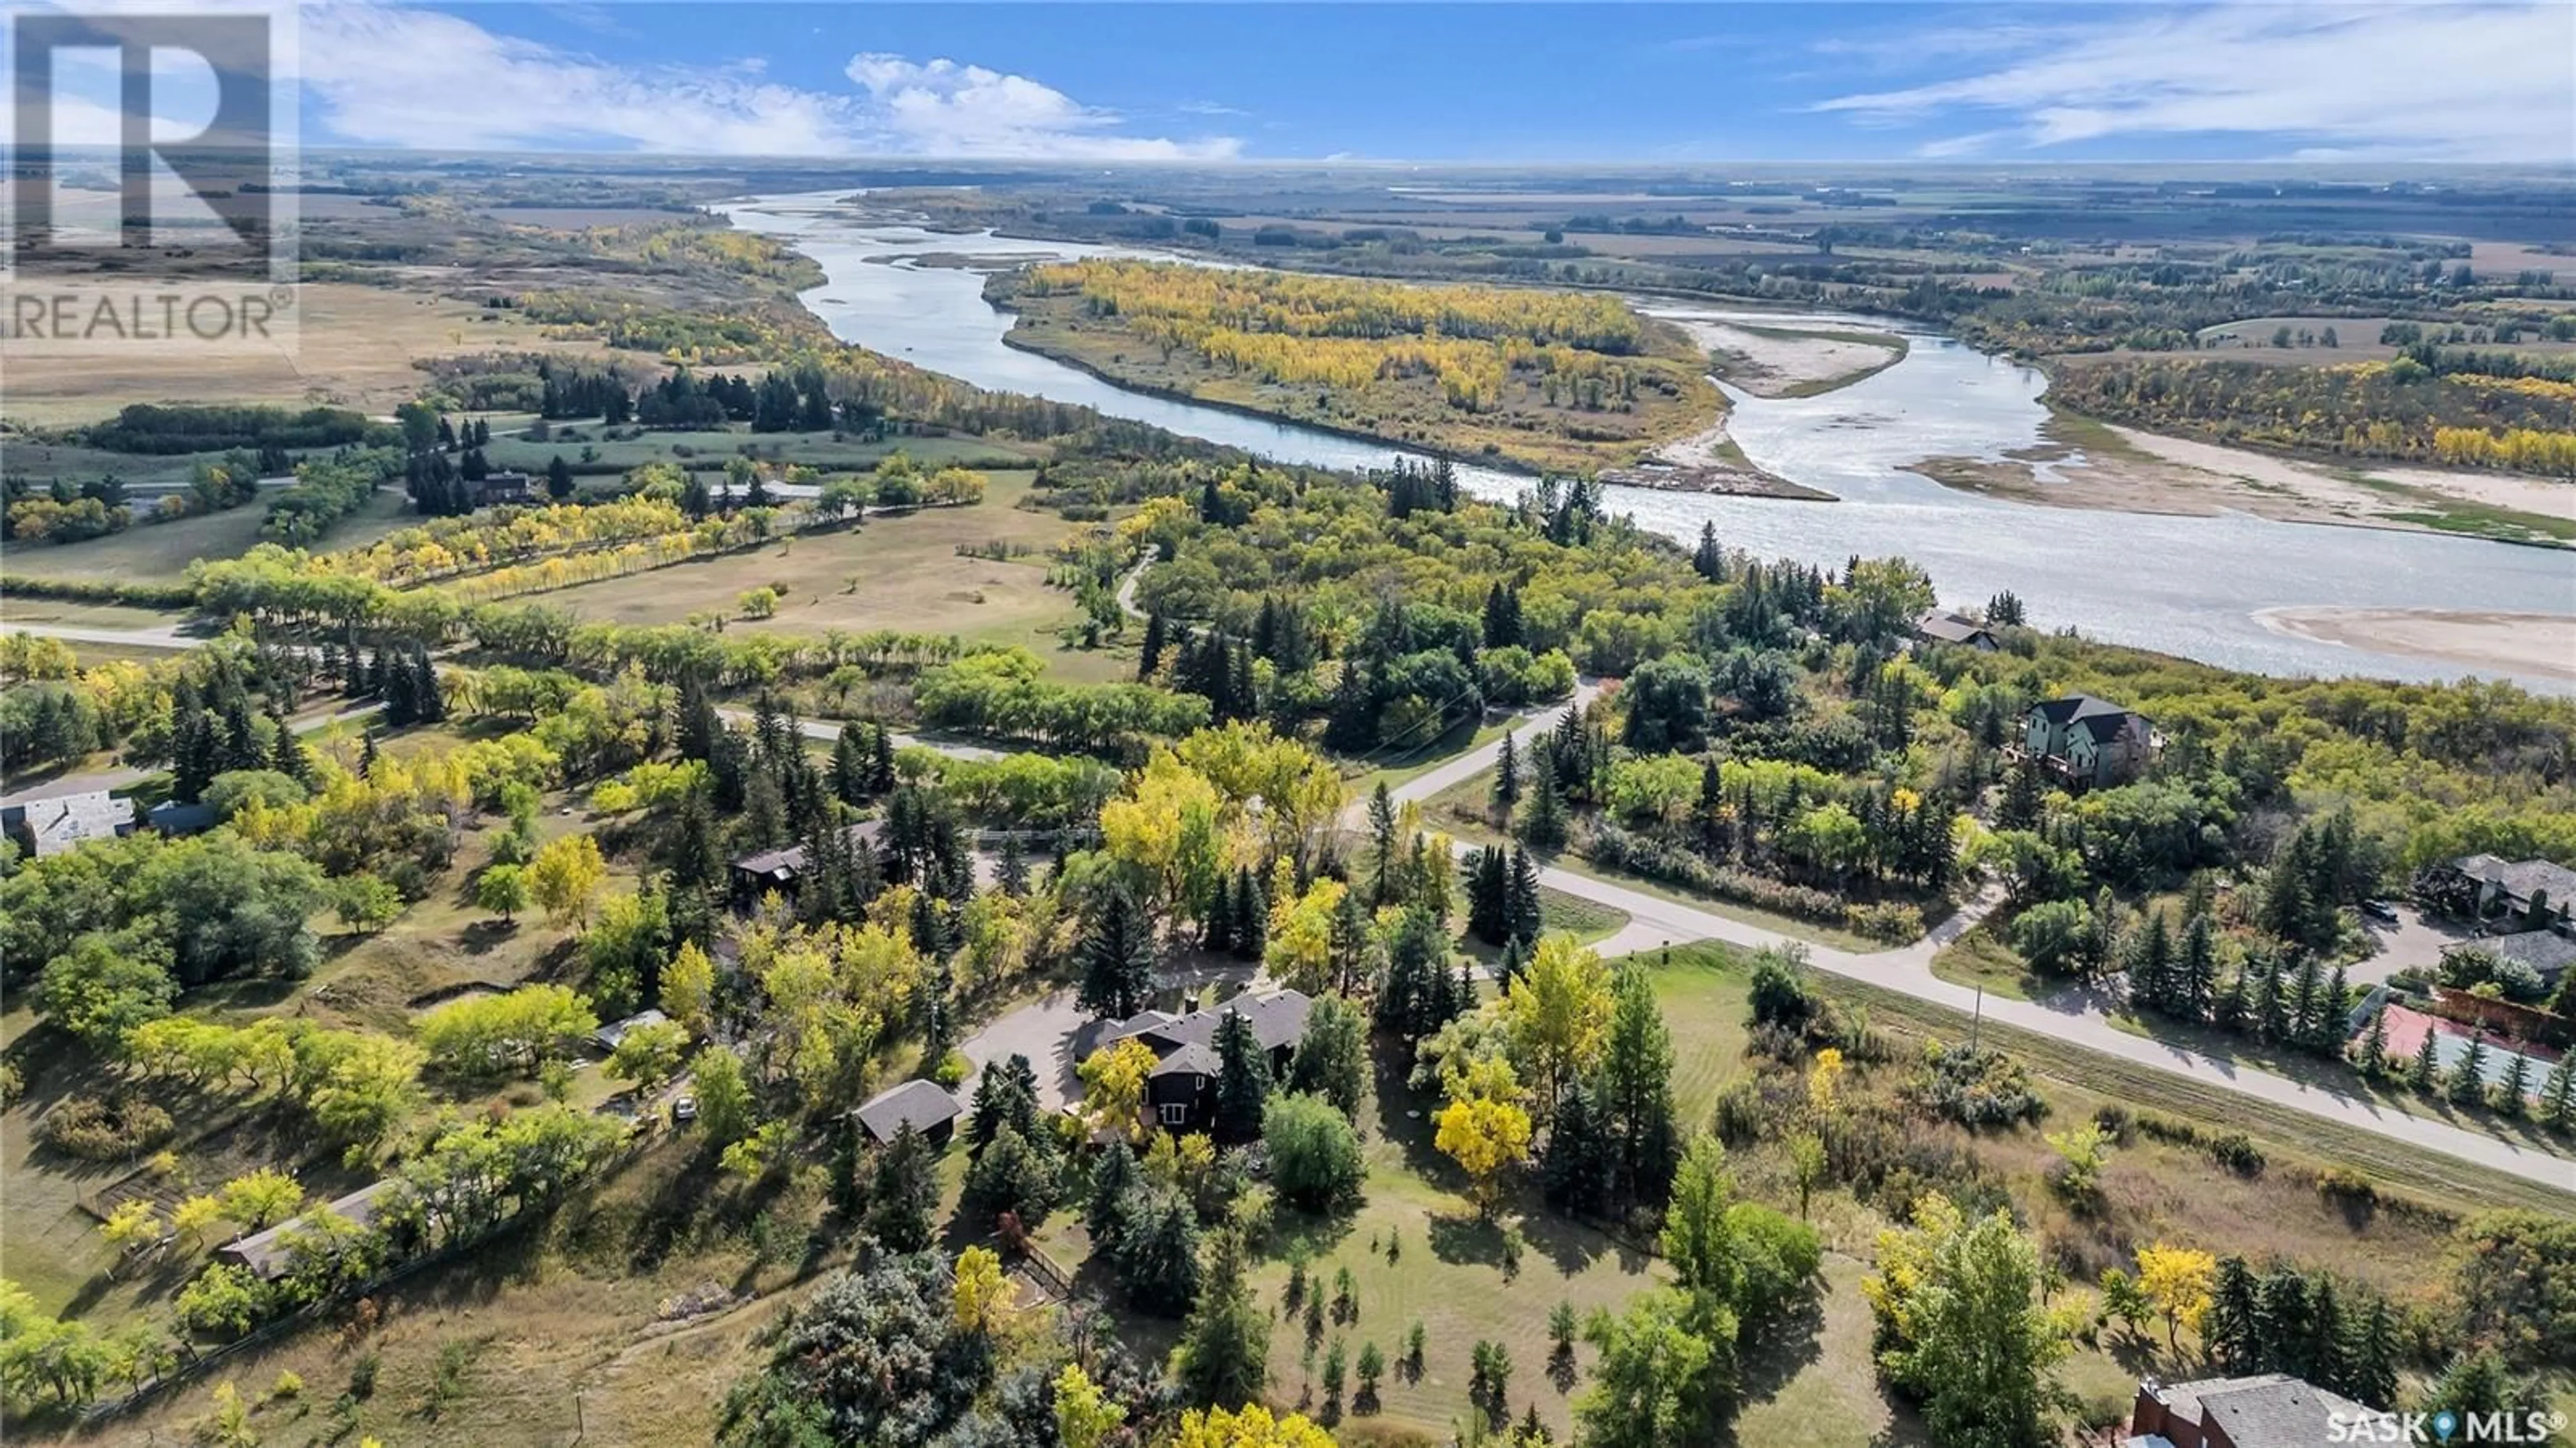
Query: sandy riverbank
<point x="2086" y="464"/>
<point x="1790" y="362"/>
<point x="2524" y="643"/>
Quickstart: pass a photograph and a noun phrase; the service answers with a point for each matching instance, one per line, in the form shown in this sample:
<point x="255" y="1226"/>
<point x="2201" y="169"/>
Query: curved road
<point x="1654" y="920"/>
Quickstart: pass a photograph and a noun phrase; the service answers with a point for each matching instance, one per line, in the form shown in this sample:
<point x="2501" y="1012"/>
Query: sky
<point x="1590" y="83"/>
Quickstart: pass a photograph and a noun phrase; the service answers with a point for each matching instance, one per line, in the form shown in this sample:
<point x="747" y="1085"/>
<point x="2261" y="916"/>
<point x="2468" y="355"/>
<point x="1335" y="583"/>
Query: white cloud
<point x="2428" y="82"/>
<point x="943" y="108"/>
<point x="426" y="80"/>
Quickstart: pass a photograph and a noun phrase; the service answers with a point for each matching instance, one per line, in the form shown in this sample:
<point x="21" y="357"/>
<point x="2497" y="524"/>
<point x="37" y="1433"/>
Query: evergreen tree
<point x="1635" y="1086"/>
<point x="1011" y="872"/>
<point x="903" y="1191"/>
<point x="2151" y="979"/>
<point x="2230" y="1331"/>
<point x="2425" y="1073"/>
<point x="1007" y="1096"/>
<point x="1577" y="1172"/>
<point x="880" y="760"/>
<point x="2331" y="1006"/>
<point x="849" y="768"/>
<point x="2196" y="986"/>
<point x="2468" y="1083"/>
<point x="1224" y="1354"/>
<point x="1543" y="823"/>
<point x="1509" y="965"/>
<point x="1524" y="917"/>
<point x="1117" y="956"/>
<point x="2371" y="1378"/>
<point x="1487" y="888"/>
<point x="558" y="479"/>
<point x="1252" y="917"/>
<point x="1113" y="1176"/>
<point x="1709" y="560"/>
<point x="2558" y="1097"/>
<point x="2512" y="1092"/>
<point x="2281" y="1328"/>
<point x="2374" y="1047"/>
<point x="1381" y="814"/>
<point x="1507" y="779"/>
<point x="1242" y="1082"/>
<point x="1150" y="656"/>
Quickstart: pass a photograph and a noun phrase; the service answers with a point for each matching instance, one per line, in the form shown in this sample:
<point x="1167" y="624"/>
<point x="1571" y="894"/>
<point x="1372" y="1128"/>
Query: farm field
<point x="356" y="346"/>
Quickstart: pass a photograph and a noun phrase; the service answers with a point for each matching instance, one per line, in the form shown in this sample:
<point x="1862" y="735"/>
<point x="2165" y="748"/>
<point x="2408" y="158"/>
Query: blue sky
<point x="2008" y="84"/>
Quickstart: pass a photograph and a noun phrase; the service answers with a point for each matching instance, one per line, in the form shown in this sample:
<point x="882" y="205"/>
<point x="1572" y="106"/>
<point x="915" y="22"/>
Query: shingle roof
<point x="791" y="860"/>
<point x="1190" y="1059"/>
<point x="918" y="1103"/>
<point x="1950" y="627"/>
<point x="1277" y="1018"/>
<point x="2521" y="878"/>
<point x="2545" y="951"/>
<point x="61" y="821"/>
<point x="615" y="1031"/>
<point x="266" y="1253"/>
<point x="2283" y="1412"/>
<point x="2076" y="706"/>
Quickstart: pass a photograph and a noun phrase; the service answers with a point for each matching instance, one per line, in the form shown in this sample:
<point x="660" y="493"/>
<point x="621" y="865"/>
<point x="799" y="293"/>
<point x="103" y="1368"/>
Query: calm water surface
<point x="2190" y="586"/>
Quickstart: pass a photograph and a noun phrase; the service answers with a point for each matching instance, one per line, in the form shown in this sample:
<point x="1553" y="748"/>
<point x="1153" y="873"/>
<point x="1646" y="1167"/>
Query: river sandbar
<point x="2522" y="643"/>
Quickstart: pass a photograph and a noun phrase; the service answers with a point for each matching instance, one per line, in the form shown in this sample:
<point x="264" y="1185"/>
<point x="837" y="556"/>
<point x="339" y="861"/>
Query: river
<point x="2183" y="585"/>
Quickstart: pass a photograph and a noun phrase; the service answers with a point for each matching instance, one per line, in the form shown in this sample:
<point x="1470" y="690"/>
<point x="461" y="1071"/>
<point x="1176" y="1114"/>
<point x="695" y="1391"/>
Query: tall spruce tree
<point x="1117" y="957"/>
<point x="1243" y="1081"/>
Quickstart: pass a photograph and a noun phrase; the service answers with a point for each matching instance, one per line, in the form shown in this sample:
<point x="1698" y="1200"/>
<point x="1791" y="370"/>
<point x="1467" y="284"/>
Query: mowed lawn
<point x="902" y="573"/>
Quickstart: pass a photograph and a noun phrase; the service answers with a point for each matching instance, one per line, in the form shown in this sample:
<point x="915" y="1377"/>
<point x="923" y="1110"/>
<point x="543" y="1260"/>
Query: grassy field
<point x="902" y="573"/>
<point x="355" y="346"/>
<point x="160" y="552"/>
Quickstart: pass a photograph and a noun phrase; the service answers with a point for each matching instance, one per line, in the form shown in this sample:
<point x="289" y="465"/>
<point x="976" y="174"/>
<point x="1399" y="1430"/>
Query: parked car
<point x="2380" y="910"/>
<point x="684" y="1110"/>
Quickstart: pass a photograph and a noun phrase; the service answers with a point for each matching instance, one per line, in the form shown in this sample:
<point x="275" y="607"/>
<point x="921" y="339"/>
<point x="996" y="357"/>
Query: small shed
<point x="925" y="1106"/>
<point x="173" y="818"/>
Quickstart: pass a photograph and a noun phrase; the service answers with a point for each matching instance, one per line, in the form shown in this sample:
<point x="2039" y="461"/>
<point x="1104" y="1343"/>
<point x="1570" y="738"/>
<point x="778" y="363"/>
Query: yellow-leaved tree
<point x="1558" y="1012"/>
<point x="1113" y="1086"/>
<point x="1254" y="1427"/>
<point x="983" y="1293"/>
<point x="566" y="876"/>
<point x="2179" y="1281"/>
<point x="1484" y="1128"/>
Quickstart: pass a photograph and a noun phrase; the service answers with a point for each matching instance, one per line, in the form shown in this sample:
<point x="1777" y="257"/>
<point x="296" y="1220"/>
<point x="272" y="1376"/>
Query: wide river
<point x="2190" y="586"/>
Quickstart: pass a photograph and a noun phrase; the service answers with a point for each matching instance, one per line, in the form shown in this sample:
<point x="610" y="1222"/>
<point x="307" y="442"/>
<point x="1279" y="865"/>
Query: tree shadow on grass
<point x="1461" y="1241"/>
<point x="1788" y="1346"/>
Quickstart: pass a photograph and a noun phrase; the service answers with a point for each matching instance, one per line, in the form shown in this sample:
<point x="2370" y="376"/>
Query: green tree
<point x="1635" y="1089"/>
<point x="502" y="890"/>
<point x="1656" y="1384"/>
<point x="1332" y="1056"/>
<point x="1961" y="1330"/>
<point x="1314" y="1153"/>
<point x="102" y="987"/>
<point x="1224" y="1353"/>
<point x="1117" y="957"/>
<point x="903" y="1190"/>
<point x="1242" y="1081"/>
<point x="726" y="1112"/>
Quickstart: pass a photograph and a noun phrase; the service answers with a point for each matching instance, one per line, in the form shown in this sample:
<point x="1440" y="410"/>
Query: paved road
<point x="1654" y="920"/>
<point x="163" y="636"/>
<point x="829" y="730"/>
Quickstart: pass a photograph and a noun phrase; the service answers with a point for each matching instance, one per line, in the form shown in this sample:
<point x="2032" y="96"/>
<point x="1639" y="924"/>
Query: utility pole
<point x="1978" y="1018"/>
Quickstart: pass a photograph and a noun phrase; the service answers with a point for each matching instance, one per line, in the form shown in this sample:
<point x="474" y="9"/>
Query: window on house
<point x="1174" y="1113"/>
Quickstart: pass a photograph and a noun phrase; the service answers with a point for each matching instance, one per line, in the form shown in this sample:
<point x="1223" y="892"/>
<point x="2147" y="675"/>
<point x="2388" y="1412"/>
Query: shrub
<point x="952" y="1069"/>
<point x="1890" y="921"/>
<point x="96" y="1130"/>
<point x="2346" y="1188"/>
<point x="1976" y="1086"/>
<point x="1622" y="849"/>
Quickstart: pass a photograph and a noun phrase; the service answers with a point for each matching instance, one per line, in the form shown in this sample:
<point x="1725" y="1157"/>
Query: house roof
<point x="58" y="822"/>
<point x="2103" y="728"/>
<point x="266" y="1253"/>
<point x="2520" y="878"/>
<point x="1277" y="1018"/>
<point x="790" y="862"/>
<point x="2077" y="706"/>
<point x="173" y="818"/>
<point x="1188" y="1059"/>
<point x="916" y="1103"/>
<point x="2272" y="1410"/>
<point x="2545" y="951"/>
<point x="615" y="1031"/>
<point x="1950" y="628"/>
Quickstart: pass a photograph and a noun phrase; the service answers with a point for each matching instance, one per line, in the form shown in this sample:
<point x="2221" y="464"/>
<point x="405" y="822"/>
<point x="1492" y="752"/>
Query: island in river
<point x="1525" y="378"/>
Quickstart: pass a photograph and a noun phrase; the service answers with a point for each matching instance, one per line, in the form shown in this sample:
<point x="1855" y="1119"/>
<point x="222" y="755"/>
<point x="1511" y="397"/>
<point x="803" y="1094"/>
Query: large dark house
<point x="766" y="872"/>
<point x="2268" y="1410"/>
<point x="1181" y="1093"/>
